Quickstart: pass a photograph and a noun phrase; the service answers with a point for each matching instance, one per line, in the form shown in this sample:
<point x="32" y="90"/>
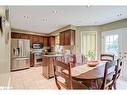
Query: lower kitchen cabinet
<point x="31" y="59"/>
<point x="47" y="67"/>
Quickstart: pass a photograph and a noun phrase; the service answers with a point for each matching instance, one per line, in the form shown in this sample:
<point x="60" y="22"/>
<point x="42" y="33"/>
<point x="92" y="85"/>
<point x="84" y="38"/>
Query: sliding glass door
<point x="115" y="42"/>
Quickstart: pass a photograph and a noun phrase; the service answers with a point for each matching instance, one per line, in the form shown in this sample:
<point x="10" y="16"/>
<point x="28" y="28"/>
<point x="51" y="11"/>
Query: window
<point x="111" y="44"/>
<point x="57" y="40"/>
<point x="89" y="43"/>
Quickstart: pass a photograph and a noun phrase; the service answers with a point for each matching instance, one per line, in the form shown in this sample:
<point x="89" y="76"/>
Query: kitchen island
<point x="47" y="64"/>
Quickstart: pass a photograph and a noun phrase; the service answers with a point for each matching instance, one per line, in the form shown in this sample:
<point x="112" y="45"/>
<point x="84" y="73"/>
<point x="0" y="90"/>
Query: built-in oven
<point x="37" y="46"/>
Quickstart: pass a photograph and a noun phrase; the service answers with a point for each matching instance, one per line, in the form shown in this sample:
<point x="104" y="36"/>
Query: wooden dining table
<point x="86" y="73"/>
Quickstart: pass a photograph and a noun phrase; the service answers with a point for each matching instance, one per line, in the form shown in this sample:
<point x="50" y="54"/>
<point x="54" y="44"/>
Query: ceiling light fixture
<point x="27" y="17"/>
<point x="54" y="11"/>
<point x="44" y="19"/>
<point x="119" y="14"/>
<point x="88" y="6"/>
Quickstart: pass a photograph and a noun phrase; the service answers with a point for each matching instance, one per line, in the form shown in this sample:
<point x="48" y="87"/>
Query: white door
<point x="124" y="53"/>
<point x="115" y="42"/>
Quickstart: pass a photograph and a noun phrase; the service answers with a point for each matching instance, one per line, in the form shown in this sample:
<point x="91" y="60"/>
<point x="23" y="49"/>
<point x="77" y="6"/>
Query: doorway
<point x="115" y="42"/>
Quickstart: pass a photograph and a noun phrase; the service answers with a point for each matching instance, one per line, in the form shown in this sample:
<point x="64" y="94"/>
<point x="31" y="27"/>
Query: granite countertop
<point x="53" y="55"/>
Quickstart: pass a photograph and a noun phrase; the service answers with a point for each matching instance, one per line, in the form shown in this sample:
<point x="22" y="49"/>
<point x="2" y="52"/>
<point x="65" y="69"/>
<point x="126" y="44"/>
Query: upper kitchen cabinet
<point x="15" y="35"/>
<point x="62" y="38"/>
<point x="40" y="39"/>
<point x="67" y="37"/>
<point x="35" y="39"/>
<point x="24" y="36"/>
<point x="45" y="41"/>
<point x="52" y="41"/>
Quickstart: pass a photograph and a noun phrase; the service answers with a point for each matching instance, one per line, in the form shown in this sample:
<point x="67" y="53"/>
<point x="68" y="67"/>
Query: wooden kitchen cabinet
<point x="15" y="35"/>
<point x="62" y="38"/>
<point x="67" y="37"/>
<point x="52" y="41"/>
<point x="24" y="36"/>
<point x="31" y="59"/>
<point x="41" y="39"/>
<point x="47" y="65"/>
<point x="35" y="39"/>
<point x="45" y="41"/>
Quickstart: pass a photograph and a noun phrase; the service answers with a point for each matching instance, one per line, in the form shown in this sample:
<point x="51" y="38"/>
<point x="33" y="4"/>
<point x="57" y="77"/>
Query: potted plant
<point x="91" y="55"/>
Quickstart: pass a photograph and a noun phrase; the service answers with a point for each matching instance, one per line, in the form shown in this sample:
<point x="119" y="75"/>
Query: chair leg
<point x="94" y="84"/>
<point x="114" y="85"/>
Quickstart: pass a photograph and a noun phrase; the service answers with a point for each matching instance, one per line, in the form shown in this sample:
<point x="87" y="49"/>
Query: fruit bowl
<point x="92" y="63"/>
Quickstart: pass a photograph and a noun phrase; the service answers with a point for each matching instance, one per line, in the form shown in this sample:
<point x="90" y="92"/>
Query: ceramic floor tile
<point x="33" y="79"/>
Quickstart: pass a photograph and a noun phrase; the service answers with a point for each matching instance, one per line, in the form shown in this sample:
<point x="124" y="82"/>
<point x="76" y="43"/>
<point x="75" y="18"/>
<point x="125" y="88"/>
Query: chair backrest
<point x="71" y="59"/>
<point x="80" y="59"/>
<point x="115" y="75"/>
<point x="118" y="67"/>
<point x="109" y="71"/>
<point x="58" y="72"/>
<point x="107" y="57"/>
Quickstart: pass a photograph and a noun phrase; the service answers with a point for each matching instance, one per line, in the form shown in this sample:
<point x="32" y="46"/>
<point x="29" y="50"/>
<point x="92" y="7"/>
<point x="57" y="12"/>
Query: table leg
<point x="94" y="84"/>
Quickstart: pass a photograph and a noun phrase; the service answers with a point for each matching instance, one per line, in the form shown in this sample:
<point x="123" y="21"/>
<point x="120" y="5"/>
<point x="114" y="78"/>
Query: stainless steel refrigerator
<point x="20" y="54"/>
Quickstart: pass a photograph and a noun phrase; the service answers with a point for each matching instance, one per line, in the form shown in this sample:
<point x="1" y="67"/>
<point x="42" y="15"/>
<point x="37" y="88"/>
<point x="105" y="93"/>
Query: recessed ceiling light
<point x="54" y="11"/>
<point x="27" y="17"/>
<point x="119" y="14"/>
<point x="44" y="19"/>
<point x="88" y="6"/>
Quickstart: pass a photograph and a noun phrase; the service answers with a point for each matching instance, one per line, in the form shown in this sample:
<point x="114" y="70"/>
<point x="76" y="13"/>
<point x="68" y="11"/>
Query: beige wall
<point x="4" y="53"/>
<point x="99" y="29"/>
<point x="114" y="25"/>
<point x="80" y="29"/>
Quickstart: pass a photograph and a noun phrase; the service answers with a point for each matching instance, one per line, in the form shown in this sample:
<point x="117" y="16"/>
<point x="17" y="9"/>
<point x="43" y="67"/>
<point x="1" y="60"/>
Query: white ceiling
<point x="45" y="19"/>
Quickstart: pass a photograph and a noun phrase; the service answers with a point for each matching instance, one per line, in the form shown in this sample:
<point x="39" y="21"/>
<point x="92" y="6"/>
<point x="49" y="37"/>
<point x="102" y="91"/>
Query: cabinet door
<point x="15" y="35"/>
<point x="41" y="39"/>
<point x="35" y="39"/>
<point x="31" y="59"/>
<point x="52" y="41"/>
<point x="67" y="38"/>
<point x="31" y="40"/>
<point x="45" y="39"/>
<point x="24" y="36"/>
<point x="62" y="38"/>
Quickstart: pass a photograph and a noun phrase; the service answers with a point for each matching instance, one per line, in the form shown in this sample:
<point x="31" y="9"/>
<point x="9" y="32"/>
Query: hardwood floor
<point x="33" y="79"/>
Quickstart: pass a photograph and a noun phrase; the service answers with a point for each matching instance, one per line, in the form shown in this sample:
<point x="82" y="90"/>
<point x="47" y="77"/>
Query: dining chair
<point x="107" y="57"/>
<point x="117" y="70"/>
<point x="109" y="72"/>
<point x="71" y="59"/>
<point x="63" y="79"/>
<point x="80" y="60"/>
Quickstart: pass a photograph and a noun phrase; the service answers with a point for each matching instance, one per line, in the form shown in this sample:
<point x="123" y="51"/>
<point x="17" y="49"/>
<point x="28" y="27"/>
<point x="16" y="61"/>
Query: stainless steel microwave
<point x="37" y="46"/>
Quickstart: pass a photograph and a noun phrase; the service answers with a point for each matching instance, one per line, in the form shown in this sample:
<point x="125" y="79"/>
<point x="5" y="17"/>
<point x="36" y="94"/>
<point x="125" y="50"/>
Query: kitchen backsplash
<point x="65" y="49"/>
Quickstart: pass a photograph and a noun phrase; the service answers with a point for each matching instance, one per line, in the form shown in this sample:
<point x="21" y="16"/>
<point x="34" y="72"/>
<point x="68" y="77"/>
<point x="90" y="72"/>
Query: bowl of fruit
<point x="92" y="63"/>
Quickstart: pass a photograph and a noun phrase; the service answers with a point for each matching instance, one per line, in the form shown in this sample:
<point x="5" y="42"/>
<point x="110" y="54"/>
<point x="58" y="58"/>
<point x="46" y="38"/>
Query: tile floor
<point x="33" y="79"/>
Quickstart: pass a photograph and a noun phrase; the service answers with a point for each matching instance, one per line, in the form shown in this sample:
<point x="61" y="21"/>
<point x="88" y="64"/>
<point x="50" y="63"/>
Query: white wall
<point x="4" y="53"/>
